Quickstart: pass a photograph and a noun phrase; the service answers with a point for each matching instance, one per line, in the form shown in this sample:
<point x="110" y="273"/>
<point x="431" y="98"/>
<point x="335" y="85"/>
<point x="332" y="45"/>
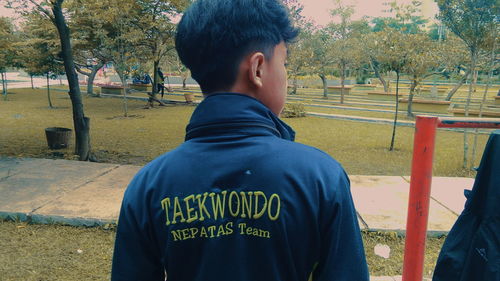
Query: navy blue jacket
<point x="471" y="252"/>
<point x="239" y="200"/>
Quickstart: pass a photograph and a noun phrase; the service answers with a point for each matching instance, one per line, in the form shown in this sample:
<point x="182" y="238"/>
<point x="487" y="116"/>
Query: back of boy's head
<point x="214" y="36"/>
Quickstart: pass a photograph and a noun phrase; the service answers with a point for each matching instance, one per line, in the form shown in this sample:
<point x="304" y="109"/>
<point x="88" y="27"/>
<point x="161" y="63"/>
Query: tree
<point x="321" y="62"/>
<point x="53" y="10"/>
<point x="345" y="49"/>
<point x="476" y="23"/>
<point x="371" y="52"/>
<point x="155" y="19"/>
<point x="396" y="52"/>
<point x="406" y="21"/>
<point x="38" y="51"/>
<point x="300" y="56"/>
<point x="7" y="50"/>
<point x="89" y="33"/>
<point x="423" y="58"/>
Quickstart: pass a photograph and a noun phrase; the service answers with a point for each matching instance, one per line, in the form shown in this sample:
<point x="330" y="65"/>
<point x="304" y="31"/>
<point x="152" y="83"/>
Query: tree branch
<point x="43" y="10"/>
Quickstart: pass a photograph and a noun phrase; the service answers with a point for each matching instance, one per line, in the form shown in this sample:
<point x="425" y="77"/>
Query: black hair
<point x="213" y="37"/>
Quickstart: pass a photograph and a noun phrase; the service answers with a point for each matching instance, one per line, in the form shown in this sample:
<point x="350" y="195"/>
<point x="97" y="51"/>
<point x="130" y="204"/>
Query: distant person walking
<point x="161" y="84"/>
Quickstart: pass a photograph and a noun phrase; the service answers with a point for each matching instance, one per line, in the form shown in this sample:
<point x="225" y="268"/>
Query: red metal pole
<point x="418" y="204"/>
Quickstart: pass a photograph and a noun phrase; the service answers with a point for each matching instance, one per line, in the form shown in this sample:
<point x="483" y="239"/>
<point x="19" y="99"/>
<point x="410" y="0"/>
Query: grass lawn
<point x="51" y="252"/>
<point x="147" y="133"/>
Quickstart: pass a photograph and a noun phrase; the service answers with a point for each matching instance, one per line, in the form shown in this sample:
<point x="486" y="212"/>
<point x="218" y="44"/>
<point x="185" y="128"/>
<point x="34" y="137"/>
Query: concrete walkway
<point x="84" y="193"/>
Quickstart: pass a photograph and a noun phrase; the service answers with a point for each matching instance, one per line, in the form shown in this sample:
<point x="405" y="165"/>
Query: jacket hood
<point x="224" y="112"/>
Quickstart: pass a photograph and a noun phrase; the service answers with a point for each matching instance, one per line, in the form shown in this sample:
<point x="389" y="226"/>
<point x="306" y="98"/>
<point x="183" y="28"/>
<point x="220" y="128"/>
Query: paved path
<point x="84" y="193"/>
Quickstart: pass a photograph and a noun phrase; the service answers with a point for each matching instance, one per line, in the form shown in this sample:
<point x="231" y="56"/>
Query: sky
<point x="319" y="10"/>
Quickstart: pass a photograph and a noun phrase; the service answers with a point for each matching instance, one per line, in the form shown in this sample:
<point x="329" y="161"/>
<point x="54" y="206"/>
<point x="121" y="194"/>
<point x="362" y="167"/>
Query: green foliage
<point x="38" y="51"/>
<point x="294" y="110"/>
<point x="7" y="41"/>
<point x="407" y="18"/>
<point x="475" y="22"/>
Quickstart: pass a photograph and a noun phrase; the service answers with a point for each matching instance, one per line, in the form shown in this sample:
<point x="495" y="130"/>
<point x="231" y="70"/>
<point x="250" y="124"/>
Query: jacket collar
<point x="237" y="113"/>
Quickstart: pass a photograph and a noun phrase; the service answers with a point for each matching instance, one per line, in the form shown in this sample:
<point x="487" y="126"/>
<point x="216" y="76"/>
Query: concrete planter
<point x="112" y="90"/>
<point x="141" y="87"/>
<point x="433" y="106"/>
<point x="439" y="89"/>
<point x="383" y="96"/>
<point x="460" y="112"/>
<point x="336" y="89"/>
<point x="366" y="86"/>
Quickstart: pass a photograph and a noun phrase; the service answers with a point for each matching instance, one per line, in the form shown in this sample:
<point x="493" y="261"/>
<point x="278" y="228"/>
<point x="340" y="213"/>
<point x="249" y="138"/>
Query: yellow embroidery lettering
<point x="242" y="226"/>
<point x="249" y="231"/>
<point x="218" y="207"/>
<point x="185" y="234"/>
<point x="277" y="214"/>
<point x="165" y="205"/>
<point x="203" y="232"/>
<point x="229" y="228"/>
<point x="190" y="210"/>
<point x="232" y="195"/>
<point x="177" y="211"/>
<point x="201" y="205"/>
<point x="194" y="231"/>
<point x="220" y="231"/>
<point x="258" y="214"/>
<point x="212" y="229"/>
<point x="264" y="233"/>
<point x="176" y="234"/>
<point x="246" y="204"/>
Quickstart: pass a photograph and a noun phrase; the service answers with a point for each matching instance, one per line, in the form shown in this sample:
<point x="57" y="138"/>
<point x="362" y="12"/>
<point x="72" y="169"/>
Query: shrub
<point x="293" y="110"/>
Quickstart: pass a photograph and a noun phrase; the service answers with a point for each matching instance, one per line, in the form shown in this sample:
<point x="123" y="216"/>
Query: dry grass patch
<point x="51" y="252"/>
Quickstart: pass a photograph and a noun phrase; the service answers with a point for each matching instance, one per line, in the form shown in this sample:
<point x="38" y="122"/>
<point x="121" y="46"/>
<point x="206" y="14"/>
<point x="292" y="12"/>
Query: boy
<point x="239" y="200"/>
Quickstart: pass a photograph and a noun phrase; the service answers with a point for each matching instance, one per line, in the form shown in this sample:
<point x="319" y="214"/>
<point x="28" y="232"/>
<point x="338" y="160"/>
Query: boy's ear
<point x="256" y="69"/>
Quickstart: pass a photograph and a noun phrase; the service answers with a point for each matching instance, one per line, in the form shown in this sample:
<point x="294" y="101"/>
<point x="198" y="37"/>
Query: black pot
<point x="57" y="137"/>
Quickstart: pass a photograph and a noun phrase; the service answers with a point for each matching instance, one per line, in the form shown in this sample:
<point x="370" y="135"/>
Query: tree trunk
<point x="60" y="79"/>
<point x="472" y="86"/>
<point x="457" y="86"/>
<point x="91" y="77"/>
<point x="31" y="77"/>
<point x="294" y="89"/>
<point x="90" y="81"/>
<point x="396" y="113"/>
<point x="183" y="83"/>
<point x="124" y="92"/>
<point x="342" y="81"/>
<point x="4" y="85"/>
<point x="81" y="123"/>
<point x="374" y="65"/>
<point x="409" y="111"/>
<point x="48" y="91"/>
<point x="154" y="91"/>
<point x="325" y="86"/>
